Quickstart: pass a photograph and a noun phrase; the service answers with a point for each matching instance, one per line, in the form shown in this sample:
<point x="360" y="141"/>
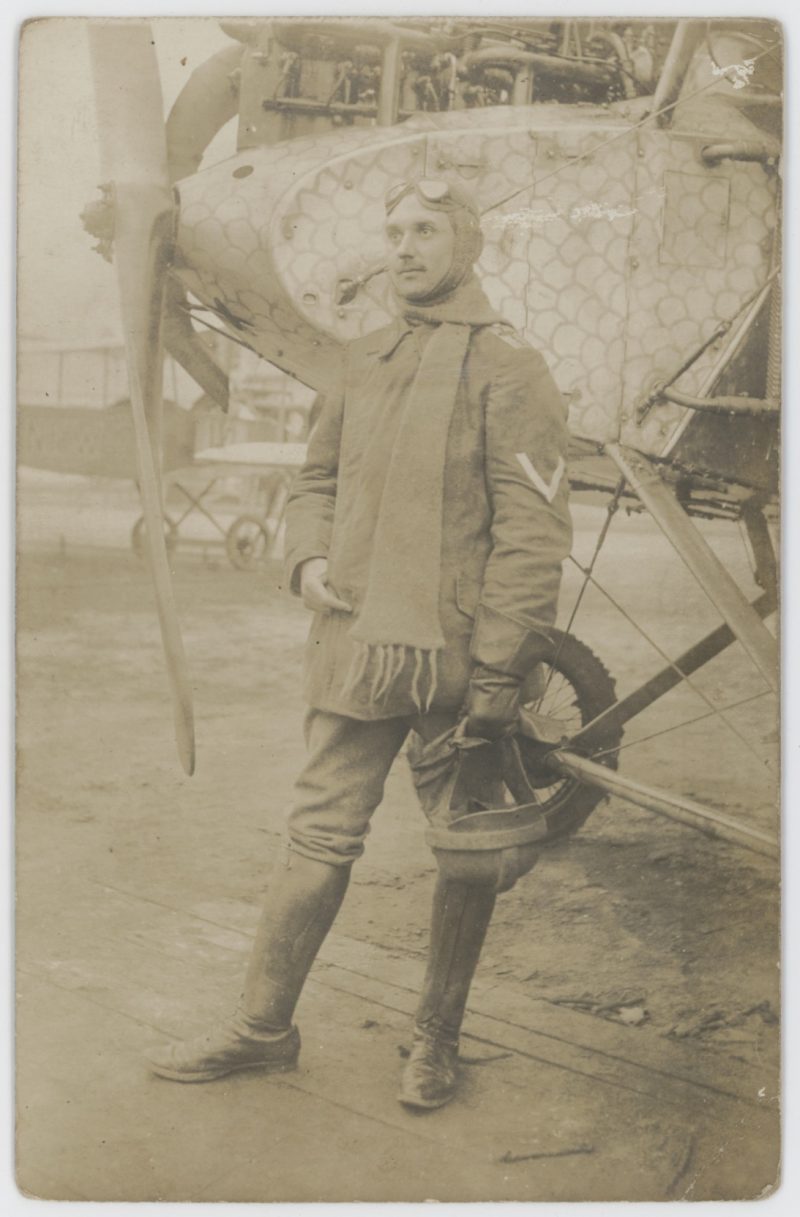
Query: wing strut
<point x="646" y="482"/>
<point x="685" y="811"/>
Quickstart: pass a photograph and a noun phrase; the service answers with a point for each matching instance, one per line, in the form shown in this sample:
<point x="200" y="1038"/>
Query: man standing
<point x="426" y="533"/>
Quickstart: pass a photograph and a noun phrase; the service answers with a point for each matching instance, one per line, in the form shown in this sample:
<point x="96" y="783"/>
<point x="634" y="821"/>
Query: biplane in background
<point x="629" y="186"/>
<point x="74" y="417"/>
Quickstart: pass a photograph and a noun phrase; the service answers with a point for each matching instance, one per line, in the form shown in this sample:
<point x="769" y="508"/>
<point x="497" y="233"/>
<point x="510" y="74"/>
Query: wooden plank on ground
<point x="108" y="1131"/>
<point x="150" y="963"/>
<point x="162" y="938"/>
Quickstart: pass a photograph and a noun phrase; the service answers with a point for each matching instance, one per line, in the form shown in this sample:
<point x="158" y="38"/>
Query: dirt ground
<point x="636" y="921"/>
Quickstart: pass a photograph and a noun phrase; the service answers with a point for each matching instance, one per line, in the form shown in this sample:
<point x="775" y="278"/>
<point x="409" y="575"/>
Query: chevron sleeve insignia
<point x="549" y="489"/>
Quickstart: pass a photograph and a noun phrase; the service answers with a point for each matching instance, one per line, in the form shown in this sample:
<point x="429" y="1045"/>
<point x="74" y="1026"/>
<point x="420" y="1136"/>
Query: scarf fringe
<point x="383" y="665"/>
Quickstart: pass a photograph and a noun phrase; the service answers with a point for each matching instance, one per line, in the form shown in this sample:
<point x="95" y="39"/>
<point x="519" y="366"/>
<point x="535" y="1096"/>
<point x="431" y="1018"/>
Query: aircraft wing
<point x="255" y="454"/>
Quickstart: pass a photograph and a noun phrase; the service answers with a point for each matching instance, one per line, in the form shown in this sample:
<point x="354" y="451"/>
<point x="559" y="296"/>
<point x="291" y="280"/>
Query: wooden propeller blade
<point x="133" y="155"/>
<point x="150" y="491"/>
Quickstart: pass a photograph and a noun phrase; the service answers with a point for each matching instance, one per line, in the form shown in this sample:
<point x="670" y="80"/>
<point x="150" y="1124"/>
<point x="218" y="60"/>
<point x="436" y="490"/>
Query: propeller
<point x="133" y="156"/>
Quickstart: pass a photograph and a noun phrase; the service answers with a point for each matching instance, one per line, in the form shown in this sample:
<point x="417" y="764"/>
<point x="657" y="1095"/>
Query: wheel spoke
<point x="577" y="689"/>
<point x="570" y="700"/>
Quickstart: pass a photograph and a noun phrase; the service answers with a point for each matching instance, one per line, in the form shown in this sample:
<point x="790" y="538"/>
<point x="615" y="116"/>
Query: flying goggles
<point x="433" y="192"/>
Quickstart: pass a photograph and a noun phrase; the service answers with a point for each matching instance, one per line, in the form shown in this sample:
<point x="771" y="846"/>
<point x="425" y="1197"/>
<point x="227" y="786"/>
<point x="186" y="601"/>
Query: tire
<point x="579" y="689"/>
<point x="247" y="542"/>
<point x="138" y="537"/>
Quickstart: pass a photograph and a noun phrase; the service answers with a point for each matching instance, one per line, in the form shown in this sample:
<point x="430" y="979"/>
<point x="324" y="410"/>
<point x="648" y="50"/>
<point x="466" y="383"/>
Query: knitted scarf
<point x="399" y="616"/>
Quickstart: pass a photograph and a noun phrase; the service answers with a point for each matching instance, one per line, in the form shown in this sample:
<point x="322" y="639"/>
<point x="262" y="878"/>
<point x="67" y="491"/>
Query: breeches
<point x="342" y="782"/>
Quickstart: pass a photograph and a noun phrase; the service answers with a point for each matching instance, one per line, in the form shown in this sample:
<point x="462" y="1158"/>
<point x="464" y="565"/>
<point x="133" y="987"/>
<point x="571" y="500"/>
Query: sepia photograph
<point x="398" y="533"/>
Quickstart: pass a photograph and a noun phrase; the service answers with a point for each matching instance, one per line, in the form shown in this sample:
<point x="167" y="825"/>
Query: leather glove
<point x="504" y="652"/>
<point x="492" y="703"/>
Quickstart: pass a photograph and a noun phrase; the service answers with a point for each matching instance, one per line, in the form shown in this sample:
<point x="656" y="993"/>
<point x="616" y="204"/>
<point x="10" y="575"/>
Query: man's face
<point x="421" y="247"/>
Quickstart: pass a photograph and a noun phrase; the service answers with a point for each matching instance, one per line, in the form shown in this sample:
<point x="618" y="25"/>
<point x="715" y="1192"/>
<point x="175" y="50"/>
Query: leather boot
<point x="460" y="919"/>
<point x="302" y="901"/>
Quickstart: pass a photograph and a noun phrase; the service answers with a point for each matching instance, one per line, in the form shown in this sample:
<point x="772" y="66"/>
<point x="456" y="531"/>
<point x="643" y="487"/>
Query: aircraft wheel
<point x="579" y="689"/>
<point x="247" y="542"/>
<point x="138" y="537"/>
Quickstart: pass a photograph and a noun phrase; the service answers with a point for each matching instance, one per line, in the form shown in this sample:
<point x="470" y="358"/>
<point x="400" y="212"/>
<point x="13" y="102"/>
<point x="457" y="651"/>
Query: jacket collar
<point x="465" y="305"/>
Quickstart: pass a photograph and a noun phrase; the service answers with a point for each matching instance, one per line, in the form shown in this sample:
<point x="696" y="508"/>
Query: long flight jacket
<point x="506" y="528"/>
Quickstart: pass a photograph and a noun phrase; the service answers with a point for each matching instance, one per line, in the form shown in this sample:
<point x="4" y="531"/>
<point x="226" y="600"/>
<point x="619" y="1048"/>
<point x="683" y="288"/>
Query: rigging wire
<point x="748" y="552"/>
<point x="684" y="677"/>
<point x="193" y="311"/>
<point x="685" y="723"/>
<point x="740" y="34"/>
<point x="719" y="331"/>
<point x="611" y="510"/>
<point x="628" y="131"/>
